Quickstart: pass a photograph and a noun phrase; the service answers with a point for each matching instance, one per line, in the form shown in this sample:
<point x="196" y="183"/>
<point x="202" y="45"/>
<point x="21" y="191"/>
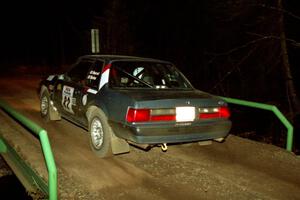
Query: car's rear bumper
<point x="173" y="133"/>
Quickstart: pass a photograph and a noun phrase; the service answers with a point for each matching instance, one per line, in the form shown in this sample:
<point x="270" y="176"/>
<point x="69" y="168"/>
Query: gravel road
<point x="235" y="169"/>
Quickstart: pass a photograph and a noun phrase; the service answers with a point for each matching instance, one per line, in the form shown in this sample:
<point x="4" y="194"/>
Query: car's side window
<point x="79" y="72"/>
<point x="93" y="76"/>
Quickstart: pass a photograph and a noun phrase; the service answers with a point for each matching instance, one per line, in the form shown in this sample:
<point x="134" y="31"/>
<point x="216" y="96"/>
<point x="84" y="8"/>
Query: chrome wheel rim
<point x="97" y="133"/>
<point x="44" y="105"/>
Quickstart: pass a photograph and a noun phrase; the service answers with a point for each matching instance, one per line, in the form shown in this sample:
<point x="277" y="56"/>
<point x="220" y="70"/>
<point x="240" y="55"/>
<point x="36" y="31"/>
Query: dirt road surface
<point x="236" y="169"/>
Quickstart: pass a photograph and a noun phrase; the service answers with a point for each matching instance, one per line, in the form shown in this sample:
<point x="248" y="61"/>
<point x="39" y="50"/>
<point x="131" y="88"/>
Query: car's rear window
<point x="125" y="74"/>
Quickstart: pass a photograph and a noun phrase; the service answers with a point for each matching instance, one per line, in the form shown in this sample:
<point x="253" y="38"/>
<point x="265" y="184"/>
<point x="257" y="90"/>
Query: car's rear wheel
<point x="100" y="134"/>
<point x="45" y="105"/>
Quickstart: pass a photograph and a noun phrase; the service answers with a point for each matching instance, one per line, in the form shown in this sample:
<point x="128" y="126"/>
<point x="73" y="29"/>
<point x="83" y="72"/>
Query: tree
<point x="290" y="88"/>
<point x="251" y="57"/>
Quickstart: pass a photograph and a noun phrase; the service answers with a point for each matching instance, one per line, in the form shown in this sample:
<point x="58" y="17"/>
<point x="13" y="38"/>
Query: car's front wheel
<point x="100" y="134"/>
<point x="45" y="105"/>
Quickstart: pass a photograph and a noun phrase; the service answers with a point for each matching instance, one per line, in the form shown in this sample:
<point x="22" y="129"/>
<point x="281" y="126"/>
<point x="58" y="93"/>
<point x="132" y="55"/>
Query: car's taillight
<point x="210" y="113"/>
<point x="224" y="112"/>
<point x="146" y="115"/>
<point x="138" y="115"/>
<point x="163" y="118"/>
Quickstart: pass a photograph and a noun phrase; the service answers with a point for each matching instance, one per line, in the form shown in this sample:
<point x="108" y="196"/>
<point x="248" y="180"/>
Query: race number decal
<point x="67" y="98"/>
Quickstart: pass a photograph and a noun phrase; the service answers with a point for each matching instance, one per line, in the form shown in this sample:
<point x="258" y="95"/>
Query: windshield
<point x="137" y="74"/>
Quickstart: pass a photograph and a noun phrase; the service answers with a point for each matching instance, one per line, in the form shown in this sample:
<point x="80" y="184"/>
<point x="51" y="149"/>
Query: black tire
<point x="100" y="134"/>
<point x="45" y="105"/>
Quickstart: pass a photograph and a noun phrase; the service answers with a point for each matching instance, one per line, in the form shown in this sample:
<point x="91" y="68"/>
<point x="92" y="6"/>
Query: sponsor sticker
<point x="91" y="77"/>
<point x="94" y="73"/>
<point x="67" y="98"/>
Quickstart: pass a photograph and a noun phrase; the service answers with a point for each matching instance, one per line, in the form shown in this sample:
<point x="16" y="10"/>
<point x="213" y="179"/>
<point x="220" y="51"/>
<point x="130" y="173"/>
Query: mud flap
<point x="119" y="145"/>
<point x="53" y="113"/>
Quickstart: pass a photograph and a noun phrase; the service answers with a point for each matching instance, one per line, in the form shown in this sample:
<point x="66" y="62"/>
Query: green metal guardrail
<point x="274" y="109"/>
<point x="3" y="147"/>
<point x="42" y="134"/>
<point x="52" y="172"/>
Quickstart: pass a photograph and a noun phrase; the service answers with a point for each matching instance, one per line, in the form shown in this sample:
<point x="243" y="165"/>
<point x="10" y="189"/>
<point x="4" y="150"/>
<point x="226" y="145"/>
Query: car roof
<point x="111" y="58"/>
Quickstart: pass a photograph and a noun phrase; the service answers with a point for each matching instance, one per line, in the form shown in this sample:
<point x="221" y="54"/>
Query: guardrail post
<point x="52" y="172"/>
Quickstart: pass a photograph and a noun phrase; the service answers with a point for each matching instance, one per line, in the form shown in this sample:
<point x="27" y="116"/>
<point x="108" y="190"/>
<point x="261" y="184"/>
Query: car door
<point x="88" y="90"/>
<point x="69" y="89"/>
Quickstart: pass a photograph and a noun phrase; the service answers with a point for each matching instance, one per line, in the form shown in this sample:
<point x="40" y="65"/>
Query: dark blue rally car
<point x="124" y="100"/>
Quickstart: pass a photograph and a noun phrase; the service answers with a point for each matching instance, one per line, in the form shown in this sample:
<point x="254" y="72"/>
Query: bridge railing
<point x="274" y="109"/>
<point x="43" y="137"/>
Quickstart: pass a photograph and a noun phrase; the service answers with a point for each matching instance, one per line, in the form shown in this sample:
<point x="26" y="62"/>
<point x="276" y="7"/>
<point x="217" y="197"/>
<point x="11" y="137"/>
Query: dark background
<point x="229" y="48"/>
